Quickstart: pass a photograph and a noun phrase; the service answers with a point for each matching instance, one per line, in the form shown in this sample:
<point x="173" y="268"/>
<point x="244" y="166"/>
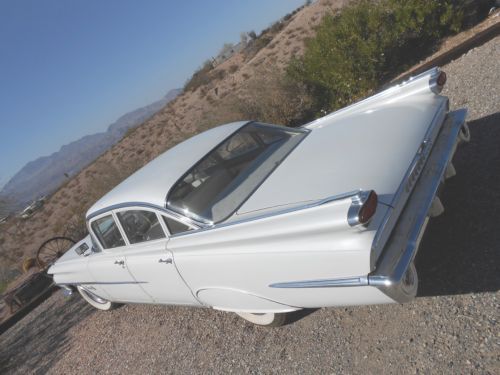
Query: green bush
<point x="3" y="286"/>
<point x="267" y="96"/>
<point x="367" y="43"/>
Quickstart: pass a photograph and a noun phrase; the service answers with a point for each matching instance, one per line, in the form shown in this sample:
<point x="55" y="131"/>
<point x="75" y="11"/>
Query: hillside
<point x="45" y="174"/>
<point x="189" y="113"/>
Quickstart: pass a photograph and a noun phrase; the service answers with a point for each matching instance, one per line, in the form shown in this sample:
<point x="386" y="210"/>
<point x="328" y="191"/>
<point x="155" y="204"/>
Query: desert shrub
<point x="200" y="77"/>
<point x="367" y="43"/>
<point x="254" y="46"/>
<point x="218" y="74"/>
<point x="128" y="132"/>
<point x="268" y="97"/>
<point x="204" y="76"/>
<point x="3" y="286"/>
<point x="233" y="68"/>
<point x="266" y="36"/>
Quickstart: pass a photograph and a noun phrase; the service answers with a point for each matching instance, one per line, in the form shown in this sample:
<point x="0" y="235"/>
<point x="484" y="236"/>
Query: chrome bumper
<point x="67" y="290"/>
<point x="403" y="243"/>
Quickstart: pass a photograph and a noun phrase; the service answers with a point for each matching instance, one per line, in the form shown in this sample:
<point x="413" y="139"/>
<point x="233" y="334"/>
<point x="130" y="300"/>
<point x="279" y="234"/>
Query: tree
<point x="226" y="48"/>
<point x="244" y="38"/>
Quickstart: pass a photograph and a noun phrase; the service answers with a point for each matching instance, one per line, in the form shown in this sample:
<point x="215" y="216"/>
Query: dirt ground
<point x="452" y="327"/>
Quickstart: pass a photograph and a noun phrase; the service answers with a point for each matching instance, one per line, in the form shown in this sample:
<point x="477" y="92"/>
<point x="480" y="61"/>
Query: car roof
<point x="150" y="184"/>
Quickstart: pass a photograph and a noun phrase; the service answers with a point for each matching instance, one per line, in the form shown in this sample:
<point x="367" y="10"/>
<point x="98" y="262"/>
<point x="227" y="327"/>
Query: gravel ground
<point x="450" y="328"/>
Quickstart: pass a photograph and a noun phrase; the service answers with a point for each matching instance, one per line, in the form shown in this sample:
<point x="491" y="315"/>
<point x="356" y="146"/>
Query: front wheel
<point x="264" y="319"/>
<point x="94" y="300"/>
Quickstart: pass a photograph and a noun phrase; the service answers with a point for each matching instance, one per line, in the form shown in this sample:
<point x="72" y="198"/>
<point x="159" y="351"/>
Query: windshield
<point x="218" y="184"/>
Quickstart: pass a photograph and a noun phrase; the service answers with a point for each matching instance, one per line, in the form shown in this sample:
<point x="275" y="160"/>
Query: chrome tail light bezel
<point x="360" y="202"/>
<point x="438" y="81"/>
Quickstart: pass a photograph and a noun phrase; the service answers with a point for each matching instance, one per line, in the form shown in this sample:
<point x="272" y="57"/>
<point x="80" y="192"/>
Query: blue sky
<point x="70" y="68"/>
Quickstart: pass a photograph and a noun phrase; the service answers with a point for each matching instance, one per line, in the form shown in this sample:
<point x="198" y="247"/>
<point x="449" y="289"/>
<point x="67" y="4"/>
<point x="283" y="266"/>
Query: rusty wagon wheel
<point x="52" y="249"/>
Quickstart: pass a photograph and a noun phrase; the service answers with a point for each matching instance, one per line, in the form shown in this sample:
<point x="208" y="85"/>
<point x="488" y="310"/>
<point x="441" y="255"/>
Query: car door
<point x="148" y="259"/>
<point x="108" y="267"/>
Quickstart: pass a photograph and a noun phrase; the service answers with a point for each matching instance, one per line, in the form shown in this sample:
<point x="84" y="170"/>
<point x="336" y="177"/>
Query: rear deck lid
<point x="369" y="149"/>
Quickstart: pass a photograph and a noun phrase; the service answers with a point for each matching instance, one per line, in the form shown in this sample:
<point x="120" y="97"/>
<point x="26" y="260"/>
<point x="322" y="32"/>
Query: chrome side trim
<point x="275" y="213"/>
<point x="324" y="283"/>
<point x="198" y="226"/>
<point x="434" y="72"/>
<point x="332" y="198"/>
<point x="105" y="283"/>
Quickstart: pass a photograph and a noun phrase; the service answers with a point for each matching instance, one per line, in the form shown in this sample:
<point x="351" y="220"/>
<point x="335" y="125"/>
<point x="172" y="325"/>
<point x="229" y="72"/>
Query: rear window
<point x="214" y="188"/>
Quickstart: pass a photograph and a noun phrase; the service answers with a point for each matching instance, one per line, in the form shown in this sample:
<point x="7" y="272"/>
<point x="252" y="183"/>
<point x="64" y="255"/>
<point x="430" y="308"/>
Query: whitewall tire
<point x="264" y="319"/>
<point x="94" y="300"/>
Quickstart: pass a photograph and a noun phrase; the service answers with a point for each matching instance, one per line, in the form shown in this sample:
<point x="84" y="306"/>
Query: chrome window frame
<point x="149" y="209"/>
<point x="98" y="241"/>
<point x="160" y="210"/>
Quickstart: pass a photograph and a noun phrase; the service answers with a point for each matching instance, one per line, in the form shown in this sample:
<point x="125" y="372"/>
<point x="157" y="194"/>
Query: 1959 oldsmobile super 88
<point x="262" y="220"/>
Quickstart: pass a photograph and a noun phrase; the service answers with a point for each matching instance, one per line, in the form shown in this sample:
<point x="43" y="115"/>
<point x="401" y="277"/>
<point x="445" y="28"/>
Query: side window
<point x="107" y="232"/>
<point x="140" y="225"/>
<point x="175" y="226"/>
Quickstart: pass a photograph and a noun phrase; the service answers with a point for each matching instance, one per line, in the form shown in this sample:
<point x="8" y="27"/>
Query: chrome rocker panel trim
<point x="394" y="262"/>
<point x="324" y="283"/>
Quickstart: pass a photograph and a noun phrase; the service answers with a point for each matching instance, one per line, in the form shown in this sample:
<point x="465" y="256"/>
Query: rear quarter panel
<point x="306" y="244"/>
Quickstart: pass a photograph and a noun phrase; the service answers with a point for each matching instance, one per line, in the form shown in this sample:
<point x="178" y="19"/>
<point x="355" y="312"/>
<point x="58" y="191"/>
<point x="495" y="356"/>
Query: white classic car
<point x="263" y="220"/>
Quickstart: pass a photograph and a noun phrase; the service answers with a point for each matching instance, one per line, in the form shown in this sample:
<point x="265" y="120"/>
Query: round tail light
<point x="363" y="207"/>
<point x="368" y="208"/>
<point x="441" y="79"/>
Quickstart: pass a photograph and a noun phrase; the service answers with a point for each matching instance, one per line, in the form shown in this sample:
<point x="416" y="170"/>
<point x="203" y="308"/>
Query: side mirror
<point x="80" y="250"/>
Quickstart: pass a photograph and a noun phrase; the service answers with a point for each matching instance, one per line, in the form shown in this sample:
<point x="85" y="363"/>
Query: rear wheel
<point x="96" y="301"/>
<point x="264" y="319"/>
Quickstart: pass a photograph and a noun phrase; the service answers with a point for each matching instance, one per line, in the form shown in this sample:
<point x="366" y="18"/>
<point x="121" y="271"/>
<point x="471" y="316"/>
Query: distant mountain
<point x="45" y="174"/>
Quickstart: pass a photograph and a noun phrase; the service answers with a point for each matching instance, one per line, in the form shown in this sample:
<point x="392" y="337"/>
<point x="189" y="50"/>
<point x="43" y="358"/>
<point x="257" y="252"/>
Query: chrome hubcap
<point x="93" y="297"/>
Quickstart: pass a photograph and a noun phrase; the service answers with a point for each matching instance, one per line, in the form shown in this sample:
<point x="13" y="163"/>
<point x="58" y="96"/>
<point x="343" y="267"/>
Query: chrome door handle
<point x="120" y="262"/>
<point x="167" y="261"/>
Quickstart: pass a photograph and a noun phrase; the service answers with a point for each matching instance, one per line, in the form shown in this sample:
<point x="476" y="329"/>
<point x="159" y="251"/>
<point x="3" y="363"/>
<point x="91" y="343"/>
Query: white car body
<point x="296" y="241"/>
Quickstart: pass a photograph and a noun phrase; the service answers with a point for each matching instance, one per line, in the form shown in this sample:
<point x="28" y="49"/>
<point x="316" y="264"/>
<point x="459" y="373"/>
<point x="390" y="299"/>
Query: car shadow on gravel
<point x="49" y="327"/>
<point x="460" y="252"/>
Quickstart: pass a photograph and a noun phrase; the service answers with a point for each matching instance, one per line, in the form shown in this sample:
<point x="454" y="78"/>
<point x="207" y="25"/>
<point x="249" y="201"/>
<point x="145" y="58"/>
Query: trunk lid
<point x="370" y="145"/>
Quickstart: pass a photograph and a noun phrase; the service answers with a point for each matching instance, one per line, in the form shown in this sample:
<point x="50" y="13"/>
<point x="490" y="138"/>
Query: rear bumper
<point x="402" y="246"/>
